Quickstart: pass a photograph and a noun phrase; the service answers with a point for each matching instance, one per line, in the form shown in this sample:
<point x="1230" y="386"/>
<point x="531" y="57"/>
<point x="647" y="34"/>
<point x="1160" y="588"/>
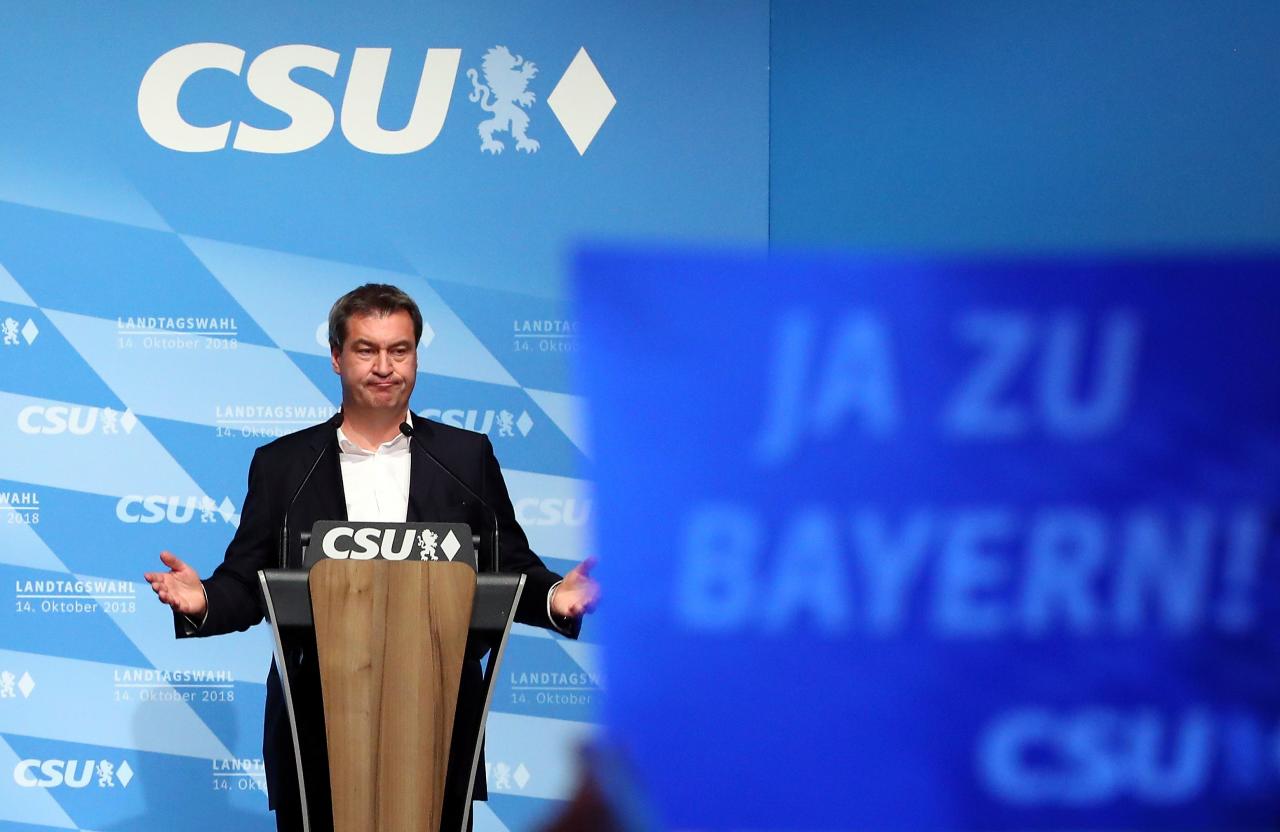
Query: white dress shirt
<point x="376" y="482"/>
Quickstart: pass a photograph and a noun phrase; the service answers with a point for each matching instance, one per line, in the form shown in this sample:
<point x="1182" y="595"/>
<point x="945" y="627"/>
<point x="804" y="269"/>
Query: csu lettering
<point x="311" y="116"/>
<point x="153" y="508"/>
<point x="344" y="542"/>
<point x="74" y="774"/>
<point x="552" y="511"/>
<point x="75" y="419"/>
<point x="1035" y="756"/>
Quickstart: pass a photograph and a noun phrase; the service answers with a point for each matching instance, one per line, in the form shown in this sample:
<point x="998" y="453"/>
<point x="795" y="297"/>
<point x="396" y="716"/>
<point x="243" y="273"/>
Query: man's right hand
<point x="180" y="587"/>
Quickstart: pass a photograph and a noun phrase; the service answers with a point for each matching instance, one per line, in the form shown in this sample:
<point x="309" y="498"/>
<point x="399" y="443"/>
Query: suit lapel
<point x="327" y="496"/>
<point x="322" y="497"/>
<point x="426" y="494"/>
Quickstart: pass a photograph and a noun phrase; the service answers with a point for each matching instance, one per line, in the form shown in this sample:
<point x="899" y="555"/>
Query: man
<point x="364" y="470"/>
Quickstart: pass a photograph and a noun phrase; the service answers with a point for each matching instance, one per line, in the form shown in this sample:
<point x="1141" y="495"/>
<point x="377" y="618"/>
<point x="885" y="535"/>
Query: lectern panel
<point x="391" y="637"/>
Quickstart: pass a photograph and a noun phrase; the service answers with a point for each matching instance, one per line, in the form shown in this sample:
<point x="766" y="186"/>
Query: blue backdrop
<point x="987" y="126"/>
<point x="184" y="191"/>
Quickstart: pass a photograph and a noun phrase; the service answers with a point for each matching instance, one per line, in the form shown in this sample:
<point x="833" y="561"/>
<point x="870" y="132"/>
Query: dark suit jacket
<point x="276" y="472"/>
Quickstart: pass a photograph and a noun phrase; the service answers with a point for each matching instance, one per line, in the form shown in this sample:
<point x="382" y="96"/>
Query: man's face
<point x="378" y="362"/>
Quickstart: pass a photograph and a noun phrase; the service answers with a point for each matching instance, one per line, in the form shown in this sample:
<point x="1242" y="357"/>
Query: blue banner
<point x="911" y="543"/>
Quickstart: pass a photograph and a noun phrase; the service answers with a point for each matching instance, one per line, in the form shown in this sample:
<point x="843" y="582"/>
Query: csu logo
<point x="153" y="508"/>
<point x="581" y="100"/>
<point x="74" y="774"/>
<point x="10" y="329"/>
<point x="58" y="418"/>
<point x="368" y="542"/>
<point x="553" y="511"/>
<point x="504" y="92"/>
<point x="482" y="421"/>
<point x="11" y="685"/>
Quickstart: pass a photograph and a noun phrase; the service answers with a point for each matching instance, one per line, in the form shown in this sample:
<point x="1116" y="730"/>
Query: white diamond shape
<point x="128" y="420"/>
<point x="26" y="684"/>
<point x="524" y="423"/>
<point x="450" y="545"/>
<point x="521" y="776"/>
<point x="124" y="774"/>
<point x="427" y="335"/>
<point x="581" y="101"/>
<point x="30" y="331"/>
<point x="227" y="509"/>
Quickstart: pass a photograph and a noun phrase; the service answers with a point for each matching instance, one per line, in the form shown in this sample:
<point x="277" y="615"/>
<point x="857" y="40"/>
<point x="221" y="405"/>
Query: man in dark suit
<point x="364" y="470"/>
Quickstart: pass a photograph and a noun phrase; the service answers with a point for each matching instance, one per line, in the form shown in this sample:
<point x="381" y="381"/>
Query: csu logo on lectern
<point x="368" y="542"/>
<point x="581" y="100"/>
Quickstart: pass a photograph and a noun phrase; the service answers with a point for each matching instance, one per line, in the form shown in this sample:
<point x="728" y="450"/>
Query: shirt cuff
<point x="561" y="624"/>
<point x="191" y="627"/>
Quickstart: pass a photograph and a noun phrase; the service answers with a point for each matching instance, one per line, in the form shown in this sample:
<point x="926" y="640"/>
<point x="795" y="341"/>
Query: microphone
<point x="407" y="430"/>
<point x="334" y="423"/>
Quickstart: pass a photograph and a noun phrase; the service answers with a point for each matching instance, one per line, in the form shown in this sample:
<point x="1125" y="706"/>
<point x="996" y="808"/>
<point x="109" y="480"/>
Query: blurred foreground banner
<point x="909" y="544"/>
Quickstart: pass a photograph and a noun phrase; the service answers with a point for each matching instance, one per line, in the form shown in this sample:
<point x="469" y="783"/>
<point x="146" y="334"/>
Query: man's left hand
<point x="577" y="594"/>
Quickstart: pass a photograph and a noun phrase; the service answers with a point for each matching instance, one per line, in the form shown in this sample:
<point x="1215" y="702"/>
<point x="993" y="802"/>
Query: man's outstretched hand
<point x="577" y="594"/>
<point x="180" y="587"/>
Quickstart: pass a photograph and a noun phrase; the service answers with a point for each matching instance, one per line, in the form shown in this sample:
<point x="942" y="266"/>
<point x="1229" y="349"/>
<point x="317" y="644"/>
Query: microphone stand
<point x="408" y="430"/>
<point x="334" y="423"/>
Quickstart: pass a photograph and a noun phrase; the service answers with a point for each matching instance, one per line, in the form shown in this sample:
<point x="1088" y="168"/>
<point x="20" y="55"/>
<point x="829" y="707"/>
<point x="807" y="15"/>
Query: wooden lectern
<point x="370" y="642"/>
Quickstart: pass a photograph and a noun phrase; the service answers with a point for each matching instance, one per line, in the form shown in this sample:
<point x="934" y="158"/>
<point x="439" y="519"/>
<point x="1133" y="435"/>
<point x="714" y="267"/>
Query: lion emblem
<point x="503" y="93"/>
<point x="427" y="545"/>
